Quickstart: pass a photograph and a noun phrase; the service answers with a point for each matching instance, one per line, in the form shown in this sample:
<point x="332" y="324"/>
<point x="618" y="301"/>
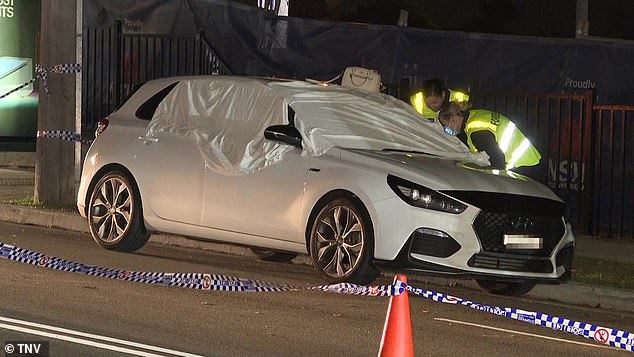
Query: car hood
<point x="447" y="175"/>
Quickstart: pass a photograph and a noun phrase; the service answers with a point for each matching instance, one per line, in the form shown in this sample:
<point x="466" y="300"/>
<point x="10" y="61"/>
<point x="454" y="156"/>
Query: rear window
<point x="147" y="109"/>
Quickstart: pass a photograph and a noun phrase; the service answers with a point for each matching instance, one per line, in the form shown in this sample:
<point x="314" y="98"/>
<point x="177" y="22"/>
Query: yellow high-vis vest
<point x="518" y="150"/>
<point x="419" y="104"/>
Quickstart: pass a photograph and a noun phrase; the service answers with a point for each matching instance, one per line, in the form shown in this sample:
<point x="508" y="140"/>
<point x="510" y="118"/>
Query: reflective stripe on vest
<point x="506" y="136"/>
<point x="418" y="103"/>
<point x="517" y="153"/>
<point x="457" y="96"/>
<point x="479" y="125"/>
<point x="517" y="149"/>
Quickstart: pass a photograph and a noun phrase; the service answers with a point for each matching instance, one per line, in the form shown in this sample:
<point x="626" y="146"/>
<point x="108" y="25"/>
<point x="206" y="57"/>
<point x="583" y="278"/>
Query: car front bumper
<point x="452" y="247"/>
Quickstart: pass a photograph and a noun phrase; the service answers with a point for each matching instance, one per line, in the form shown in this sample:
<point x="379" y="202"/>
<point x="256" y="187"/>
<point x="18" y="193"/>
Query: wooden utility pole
<point x="56" y="164"/>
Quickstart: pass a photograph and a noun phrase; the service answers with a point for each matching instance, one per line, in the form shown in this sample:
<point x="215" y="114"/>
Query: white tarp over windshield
<point x="337" y="116"/>
<point x="227" y="117"/>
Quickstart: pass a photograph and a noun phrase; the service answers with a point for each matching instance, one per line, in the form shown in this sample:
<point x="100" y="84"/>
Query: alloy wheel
<point x="340" y="238"/>
<point x="111" y="209"/>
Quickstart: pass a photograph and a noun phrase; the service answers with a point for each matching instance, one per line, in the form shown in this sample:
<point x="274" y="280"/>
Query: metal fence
<point x="586" y="157"/>
<point x="558" y="126"/>
<point x="613" y="171"/>
<point x="116" y="63"/>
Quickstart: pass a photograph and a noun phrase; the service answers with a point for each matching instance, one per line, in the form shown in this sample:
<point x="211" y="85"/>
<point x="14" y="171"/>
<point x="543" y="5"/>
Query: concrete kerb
<point x="43" y="217"/>
<point x="573" y="293"/>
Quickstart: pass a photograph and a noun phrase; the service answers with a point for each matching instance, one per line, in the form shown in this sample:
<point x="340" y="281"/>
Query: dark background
<point x="544" y="18"/>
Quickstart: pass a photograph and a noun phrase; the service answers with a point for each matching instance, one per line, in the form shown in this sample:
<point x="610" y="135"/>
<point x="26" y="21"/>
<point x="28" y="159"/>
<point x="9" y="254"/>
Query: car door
<point x="170" y="169"/>
<point x="265" y="203"/>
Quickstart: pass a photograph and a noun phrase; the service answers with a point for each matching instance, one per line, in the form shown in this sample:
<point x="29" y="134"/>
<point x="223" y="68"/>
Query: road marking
<point x="87" y="335"/>
<point x="524" y="333"/>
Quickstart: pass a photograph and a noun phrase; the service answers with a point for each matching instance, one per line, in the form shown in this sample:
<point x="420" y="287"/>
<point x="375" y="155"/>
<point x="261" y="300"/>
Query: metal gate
<point x="613" y="171"/>
<point x="586" y="157"/>
<point x="558" y="126"/>
<point x="116" y="63"/>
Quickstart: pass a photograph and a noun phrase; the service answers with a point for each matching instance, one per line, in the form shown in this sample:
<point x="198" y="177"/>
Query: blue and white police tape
<point x="185" y="280"/>
<point x="42" y="74"/>
<point x="353" y="289"/>
<point x="63" y="135"/>
<point x="605" y="335"/>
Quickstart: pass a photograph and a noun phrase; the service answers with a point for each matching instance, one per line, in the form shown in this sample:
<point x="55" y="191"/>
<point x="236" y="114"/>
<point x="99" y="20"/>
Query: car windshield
<point x="331" y="116"/>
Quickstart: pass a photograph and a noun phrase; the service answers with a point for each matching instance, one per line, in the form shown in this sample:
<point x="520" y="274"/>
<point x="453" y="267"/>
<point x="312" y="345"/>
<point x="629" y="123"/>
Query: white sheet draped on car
<point x="227" y="117"/>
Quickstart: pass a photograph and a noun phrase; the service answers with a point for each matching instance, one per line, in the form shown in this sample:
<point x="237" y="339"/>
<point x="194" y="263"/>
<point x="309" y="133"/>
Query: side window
<point x="147" y="109"/>
<point x="291" y="116"/>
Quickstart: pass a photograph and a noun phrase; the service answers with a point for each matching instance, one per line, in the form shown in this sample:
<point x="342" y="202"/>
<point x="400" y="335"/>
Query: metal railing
<point x="116" y="63"/>
<point x="558" y="126"/>
<point x="586" y="157"/>
<point x="613" y="171"/>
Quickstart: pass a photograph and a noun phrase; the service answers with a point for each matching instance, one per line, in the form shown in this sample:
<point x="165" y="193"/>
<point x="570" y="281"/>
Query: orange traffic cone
<point x="397" y="333"/>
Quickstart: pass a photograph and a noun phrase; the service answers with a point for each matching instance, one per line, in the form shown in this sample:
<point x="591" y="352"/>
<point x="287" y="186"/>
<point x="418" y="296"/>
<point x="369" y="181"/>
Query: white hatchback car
<point x="358" y="180"/>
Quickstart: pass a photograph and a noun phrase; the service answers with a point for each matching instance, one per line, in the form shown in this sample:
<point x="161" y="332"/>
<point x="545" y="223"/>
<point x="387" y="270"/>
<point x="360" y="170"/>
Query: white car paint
<point x="271" y="208"/>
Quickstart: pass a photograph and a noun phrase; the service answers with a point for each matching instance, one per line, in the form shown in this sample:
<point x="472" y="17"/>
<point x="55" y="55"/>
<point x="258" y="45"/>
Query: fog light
<point x="432" y="242"/>
<point x="432" y="232"/>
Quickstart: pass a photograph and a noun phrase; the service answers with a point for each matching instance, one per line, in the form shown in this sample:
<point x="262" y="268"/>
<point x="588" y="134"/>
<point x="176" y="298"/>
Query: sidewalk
<point x="17" y="184"/>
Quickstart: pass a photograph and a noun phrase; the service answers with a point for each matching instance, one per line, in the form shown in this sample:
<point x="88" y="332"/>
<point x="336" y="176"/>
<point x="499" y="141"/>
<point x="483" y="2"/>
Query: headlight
<point x="423" y="197"/>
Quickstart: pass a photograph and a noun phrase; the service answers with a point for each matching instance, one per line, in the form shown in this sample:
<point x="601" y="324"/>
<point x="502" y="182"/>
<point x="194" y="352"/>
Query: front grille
<point x="491" y="227"/>
<point x="509" y="262"/>
<point x="515" y="215"/>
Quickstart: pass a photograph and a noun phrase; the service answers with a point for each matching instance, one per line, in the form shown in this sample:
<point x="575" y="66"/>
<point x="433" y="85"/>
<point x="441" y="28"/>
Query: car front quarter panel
<point x="327" y="175"/>
<point x="393" y="220"/>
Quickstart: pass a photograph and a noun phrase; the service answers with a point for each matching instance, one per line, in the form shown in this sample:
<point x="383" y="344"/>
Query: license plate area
<point x="523" y="241"/>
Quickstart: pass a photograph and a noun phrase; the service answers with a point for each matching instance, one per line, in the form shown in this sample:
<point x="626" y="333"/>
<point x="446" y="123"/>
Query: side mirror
<point x="284" y="133"/>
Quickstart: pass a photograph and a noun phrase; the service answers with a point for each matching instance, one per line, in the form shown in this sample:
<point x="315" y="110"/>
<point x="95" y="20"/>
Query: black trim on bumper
<point x="405" y="262"/>
<point x="511" y="262"/>
<point x="433" y="245"/>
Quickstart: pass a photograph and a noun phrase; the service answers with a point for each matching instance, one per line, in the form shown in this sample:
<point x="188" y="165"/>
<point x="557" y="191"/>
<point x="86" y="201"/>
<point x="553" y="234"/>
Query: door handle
<point x="148" y="139"/>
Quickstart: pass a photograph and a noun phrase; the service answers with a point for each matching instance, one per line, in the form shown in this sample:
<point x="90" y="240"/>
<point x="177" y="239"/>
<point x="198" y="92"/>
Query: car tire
<point x="507" y="288"/>
<point x="272" y="256"/>
<point x="341" y="243"/>
<point x="114" y="213"/>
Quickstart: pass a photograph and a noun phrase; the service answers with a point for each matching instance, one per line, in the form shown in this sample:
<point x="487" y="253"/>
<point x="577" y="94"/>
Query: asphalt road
<point x="87" y="315"/>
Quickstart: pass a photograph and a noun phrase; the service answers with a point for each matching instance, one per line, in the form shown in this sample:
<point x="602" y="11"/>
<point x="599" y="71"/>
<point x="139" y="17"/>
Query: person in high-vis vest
<point x="484" y="130"/>
<point x="432" y="96"/>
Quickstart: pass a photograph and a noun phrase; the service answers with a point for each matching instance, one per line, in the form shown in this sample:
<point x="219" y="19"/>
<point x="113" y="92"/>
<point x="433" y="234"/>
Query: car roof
<point x="151" y="87"/>
<point x="260" y="79"/>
